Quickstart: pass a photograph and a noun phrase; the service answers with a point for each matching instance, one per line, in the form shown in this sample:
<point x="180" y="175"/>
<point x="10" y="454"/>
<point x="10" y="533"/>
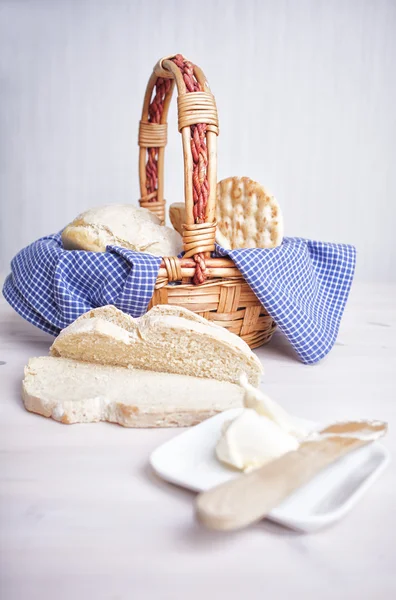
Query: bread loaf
<point x="122" y="225"/>
<point x="166" y="339"/>
<point x="76" y="392"/>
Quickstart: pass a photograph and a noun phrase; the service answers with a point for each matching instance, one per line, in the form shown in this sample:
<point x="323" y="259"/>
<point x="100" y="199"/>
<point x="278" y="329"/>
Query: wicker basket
<point x="211" y="287"/>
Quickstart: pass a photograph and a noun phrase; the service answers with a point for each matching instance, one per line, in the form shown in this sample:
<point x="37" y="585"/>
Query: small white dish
<point x="189" y="460"/>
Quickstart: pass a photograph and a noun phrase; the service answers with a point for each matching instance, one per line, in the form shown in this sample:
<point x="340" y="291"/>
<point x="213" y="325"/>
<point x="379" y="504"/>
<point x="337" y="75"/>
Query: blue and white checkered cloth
<point x="304" y="285"/>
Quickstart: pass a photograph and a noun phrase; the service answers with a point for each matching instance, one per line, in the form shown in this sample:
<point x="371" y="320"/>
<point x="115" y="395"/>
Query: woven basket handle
<point x="198" y="124"/>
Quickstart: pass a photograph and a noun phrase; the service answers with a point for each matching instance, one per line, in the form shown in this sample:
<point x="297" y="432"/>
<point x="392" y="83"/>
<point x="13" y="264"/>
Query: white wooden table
<point x="82" y="516"/>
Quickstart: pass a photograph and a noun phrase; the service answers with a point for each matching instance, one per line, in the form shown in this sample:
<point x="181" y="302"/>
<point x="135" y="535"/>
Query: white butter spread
<point x="263" y="432"/>
<point x="252" y="440"/>
<point x="265" y="406"/>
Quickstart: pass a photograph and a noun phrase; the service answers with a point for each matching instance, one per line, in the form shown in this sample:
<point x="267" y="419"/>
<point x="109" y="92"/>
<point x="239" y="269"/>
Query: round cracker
<point x="247" y="215"/>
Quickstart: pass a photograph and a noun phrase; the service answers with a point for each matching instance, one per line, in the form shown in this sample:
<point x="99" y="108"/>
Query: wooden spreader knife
<point x="249" y="498"/>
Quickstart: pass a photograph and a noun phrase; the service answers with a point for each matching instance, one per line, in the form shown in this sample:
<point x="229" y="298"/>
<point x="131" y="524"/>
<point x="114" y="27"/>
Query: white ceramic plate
<point x="189" y="460"/>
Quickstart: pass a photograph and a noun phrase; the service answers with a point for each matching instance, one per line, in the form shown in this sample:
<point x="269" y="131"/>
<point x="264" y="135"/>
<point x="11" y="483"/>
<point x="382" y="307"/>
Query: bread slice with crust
<point x="76" y="392"/>
<point x="117" y="316"/>
<point x="166" y="339"/>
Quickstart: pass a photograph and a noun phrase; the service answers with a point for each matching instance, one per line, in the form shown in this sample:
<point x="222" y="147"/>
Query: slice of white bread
<point x="166" y="339"/>
<point x="123" y="225"/>
<point x="76" y="392"/>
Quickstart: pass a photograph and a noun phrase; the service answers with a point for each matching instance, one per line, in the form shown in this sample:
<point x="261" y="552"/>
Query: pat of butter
<point x="252" y="440"/>
<point x="263" y="432"/>
<point x="263" y="405"/>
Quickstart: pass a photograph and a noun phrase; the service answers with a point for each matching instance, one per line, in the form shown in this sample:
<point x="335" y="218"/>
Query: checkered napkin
<point x="304" y="285"/>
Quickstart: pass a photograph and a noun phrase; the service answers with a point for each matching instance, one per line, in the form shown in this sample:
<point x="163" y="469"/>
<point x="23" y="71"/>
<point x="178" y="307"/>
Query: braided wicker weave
<point x="211" y="287"/>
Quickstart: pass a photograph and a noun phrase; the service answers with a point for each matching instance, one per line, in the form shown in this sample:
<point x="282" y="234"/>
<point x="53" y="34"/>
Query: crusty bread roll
<point x="76" y="392"/>
<point x="177" y="212"/>
<point x="247" y="216"/>
<point x="166" y="339"/>
<point x="123" y="225"/>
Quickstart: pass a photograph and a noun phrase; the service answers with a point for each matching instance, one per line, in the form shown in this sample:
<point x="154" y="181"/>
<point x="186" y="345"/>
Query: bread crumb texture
<point x="166" y="339"/>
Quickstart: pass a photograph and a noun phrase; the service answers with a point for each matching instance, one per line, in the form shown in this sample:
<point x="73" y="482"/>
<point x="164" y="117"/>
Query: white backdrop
<point x="306" y="95"/>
